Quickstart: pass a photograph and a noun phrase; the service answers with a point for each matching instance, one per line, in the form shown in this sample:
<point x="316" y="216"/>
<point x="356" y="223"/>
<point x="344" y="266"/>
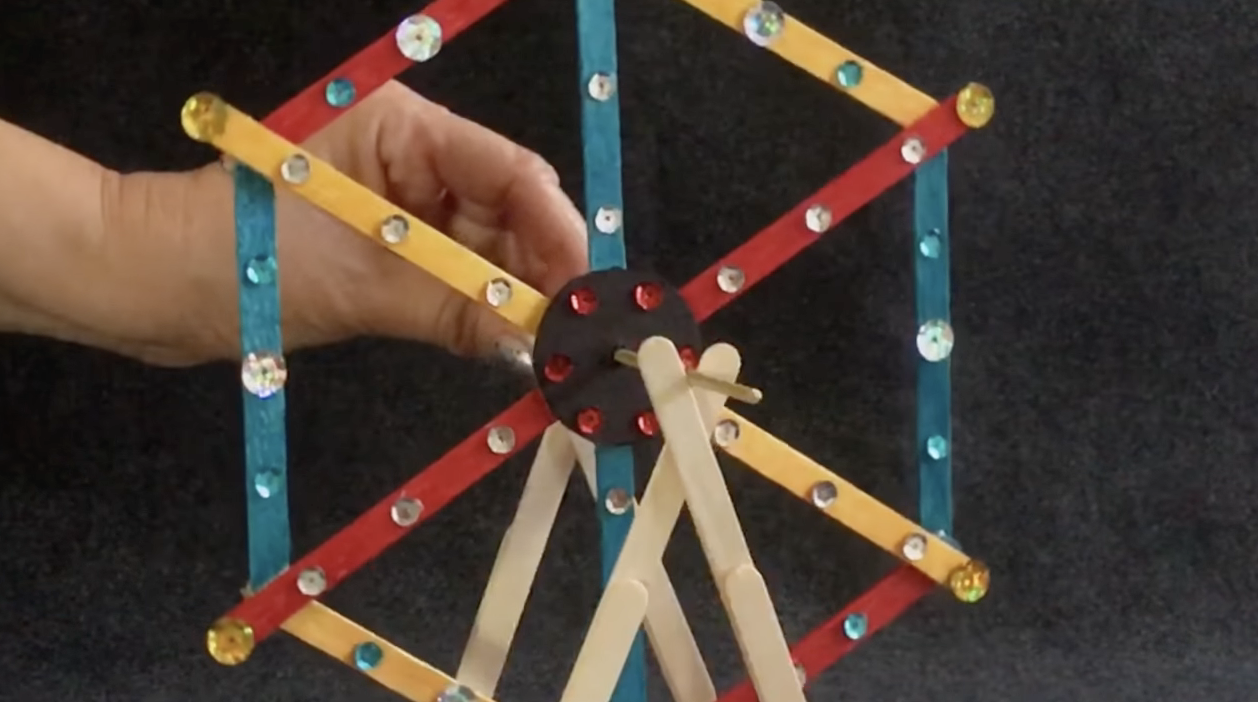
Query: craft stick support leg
<point x="515" y="568"/>
<point x="747" y="602"/>
<point x="669" y="633"/>
<point x="657" y="514"/>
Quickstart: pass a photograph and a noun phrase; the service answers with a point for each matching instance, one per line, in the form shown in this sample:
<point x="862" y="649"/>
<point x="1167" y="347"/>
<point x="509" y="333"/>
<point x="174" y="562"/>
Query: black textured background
<point x="1103" y="238"/>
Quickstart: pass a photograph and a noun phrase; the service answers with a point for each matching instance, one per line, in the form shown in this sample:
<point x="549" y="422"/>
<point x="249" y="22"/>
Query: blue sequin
<point x="367" y="655"/>
<point x="268" y="482"/>
<point x="261" y="270"/>
<point x="340" y="92"/>
<point x="930" y="245"/>
<point x="849" y="74"/>
<point x="855" y="626"/>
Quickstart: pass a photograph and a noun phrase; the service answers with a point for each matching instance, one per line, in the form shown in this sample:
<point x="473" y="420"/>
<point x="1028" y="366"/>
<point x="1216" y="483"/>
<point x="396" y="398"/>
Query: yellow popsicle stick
<point x="776" y="460"/>
<point x="325" y="629"/>
<point x="817" y="55"/>
<point x="210" y="119"/>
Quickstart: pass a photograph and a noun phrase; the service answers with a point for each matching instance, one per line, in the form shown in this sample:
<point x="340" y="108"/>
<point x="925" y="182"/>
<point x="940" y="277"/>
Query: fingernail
<point x="516" y="353"/>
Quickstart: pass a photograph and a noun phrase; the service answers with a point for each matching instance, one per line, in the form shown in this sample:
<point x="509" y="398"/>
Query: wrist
<point x="51" y="223"/>
<point x="174" y="274"/>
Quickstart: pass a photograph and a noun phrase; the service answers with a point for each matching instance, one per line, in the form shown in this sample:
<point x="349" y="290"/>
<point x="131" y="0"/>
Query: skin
<point x="144" y="264"/>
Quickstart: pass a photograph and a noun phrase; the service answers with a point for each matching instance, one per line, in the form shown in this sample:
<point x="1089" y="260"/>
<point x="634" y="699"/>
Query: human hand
<point x="170" y="241"/>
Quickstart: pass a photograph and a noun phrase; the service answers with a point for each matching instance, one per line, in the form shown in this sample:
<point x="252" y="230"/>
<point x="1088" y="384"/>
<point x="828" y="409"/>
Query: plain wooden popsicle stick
<point x="515" y="567"/>
<point x="687" y="438"/>
<point x="669" y="633"/>
<point x="598" y="667"/>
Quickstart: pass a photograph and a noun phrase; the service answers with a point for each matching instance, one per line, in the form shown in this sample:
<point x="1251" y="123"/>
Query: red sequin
<point x="583" y="301"/>
<point x="648" y="424"/>
<point x="648" y="295"/>
<point x="558" y="367"/>
<point x="589" y="420"/>
<point x="688" y="357"/>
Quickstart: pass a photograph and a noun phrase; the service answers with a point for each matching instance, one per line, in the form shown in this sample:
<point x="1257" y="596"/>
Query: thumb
<point x="469" y="329"/>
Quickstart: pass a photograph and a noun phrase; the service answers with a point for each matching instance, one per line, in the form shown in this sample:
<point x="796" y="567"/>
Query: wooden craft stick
<point x="598" y="664"/>
<point x="848" y="504"/>
<point x="699" y="379"/>
<point x="687" y="436"/>
<point x="669" y="633"/>
<point x="210" y="119"/>
<point x="515" y="567"/>
<point x="326" y="630"/>
<point x="813" y="52"/>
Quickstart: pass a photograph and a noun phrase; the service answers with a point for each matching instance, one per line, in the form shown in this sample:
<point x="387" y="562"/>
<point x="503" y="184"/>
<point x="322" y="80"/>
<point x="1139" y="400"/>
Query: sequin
<point x="648" y="296"/>
<point x="730" y="279"/>
<point x="394" y="229"/>
<point x="418" y="37"/>
<point x="764" y="22"/>
<point x="557" y="368"/>
<point x="818" y="218"/>
<point x="969" y="583"/>
<point x="823" y="494"/>
<point x="617" y="501"/>
<point x="367" y="655"/>
<point x="406" y="511"/>
<point x="913" y="548"/>
<point x="229" y="641"/>
<point x="263" y="374"/>
<point x="913" y="150"/>
<point x="457" y="693"/>
<point x="648" y="423"/>
<point x="689" y="358"/>
<point x="498" y="292"/>
<point x="601" y="87"/>
<point x="937" y="448"/>
<point x="607" y="219"/>
<point x="312" y="582"/>
<point x="340" y="92"/>
<point x="849" y="74"/>
<point x="583" y="301"/>
<point x="204" y="116"/>
<point x="725" y="433"/>
<point x="975" y="105"/>
<point x="931" y="244"/>
<point x="501" y="440"/>
<point x="589" y="420"/>
<point x="855" y="626"/>
<point x="295" y="169"/>
<point x="261" y="270"/>
<point x="268" y="483"/>
<point x="935" y="340"/>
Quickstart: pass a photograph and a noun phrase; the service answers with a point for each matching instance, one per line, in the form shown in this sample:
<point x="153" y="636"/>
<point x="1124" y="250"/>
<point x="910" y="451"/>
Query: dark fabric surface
<point x="1103" y="299"/>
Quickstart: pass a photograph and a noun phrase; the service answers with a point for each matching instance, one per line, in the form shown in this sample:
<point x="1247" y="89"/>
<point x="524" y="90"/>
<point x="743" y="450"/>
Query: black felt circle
<point x="589" y="341"/>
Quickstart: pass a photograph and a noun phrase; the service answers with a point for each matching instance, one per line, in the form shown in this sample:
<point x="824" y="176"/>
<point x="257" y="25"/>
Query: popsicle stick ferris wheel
<point x="618" y="359"/>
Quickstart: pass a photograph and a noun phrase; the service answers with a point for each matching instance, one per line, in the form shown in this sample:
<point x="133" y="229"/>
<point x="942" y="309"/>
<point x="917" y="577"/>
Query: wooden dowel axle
<point x="736" y="391"/>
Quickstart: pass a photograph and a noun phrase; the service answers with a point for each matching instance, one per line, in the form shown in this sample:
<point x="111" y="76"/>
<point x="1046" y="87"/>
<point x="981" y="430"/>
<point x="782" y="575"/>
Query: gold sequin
<point x="975" y="105"/>
<point x="204" y="116"/>
<point x="969" y="582"/>
<point x="229" y="641"/>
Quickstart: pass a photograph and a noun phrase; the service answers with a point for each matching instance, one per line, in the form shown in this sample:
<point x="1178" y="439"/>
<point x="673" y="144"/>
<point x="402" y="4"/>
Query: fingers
<point x="476" y="332"/>
<point x="497" y="184"/>
<point x="492" y="195"/>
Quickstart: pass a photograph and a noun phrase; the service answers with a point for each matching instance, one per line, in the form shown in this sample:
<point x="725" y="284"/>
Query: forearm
<point x="52" y="214"/>
<point x="98" y="258"/>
